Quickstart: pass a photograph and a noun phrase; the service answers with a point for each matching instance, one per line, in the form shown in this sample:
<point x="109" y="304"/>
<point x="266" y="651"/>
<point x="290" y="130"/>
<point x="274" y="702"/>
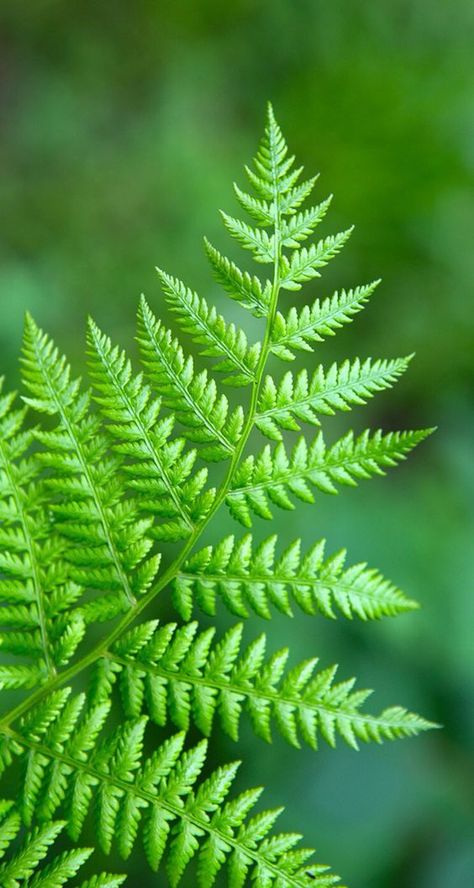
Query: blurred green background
<point x="122" y="127"/>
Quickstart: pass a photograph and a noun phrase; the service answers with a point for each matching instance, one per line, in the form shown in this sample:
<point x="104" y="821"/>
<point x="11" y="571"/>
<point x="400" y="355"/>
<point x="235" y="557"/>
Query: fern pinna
<point x="95" y="492"/>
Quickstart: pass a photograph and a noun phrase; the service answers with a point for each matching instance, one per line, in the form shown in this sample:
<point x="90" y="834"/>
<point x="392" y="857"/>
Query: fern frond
<point x="159" y="795"/>
<point x="313" y="323"/>
<point x="108" y="543"/>
<point x="194" y="397"/>
<point x="177" y="673"/>
<point x="339" y="388"/>
<point x="275" y="475"/>
<point x="37" y="613"/>
<point x="21" y="869"/>
<point x="160" y="471"/>
<point x="208" y="328"/>
<point x="85" y="496"/>
<point x="254" y="580"/>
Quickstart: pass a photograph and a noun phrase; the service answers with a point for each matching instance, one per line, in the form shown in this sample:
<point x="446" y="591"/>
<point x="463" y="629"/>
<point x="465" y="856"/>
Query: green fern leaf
<point x="275" y="475"/>
<point x="244" y="288"/>
<point x="304" y="264"/>
<point x="298" y="330"/>
<point x="160" y="471"/>
<point x="245" y="579"/>
<point x="176" y="672"/>
<point x="35" y="591"/>
<point x="86" y="495"/>
<point x="160" y="796"/>
<point x="223" y="341"/>
<point x="92" y="512"/>
<point x="22" y="867"/>
<point x="339" y="388"/>
<point x="201" y="410"/>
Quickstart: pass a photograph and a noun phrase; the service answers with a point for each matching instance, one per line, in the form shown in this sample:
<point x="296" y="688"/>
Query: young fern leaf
<point x="339" y="388"/>
<point x="161" y="471"/>
<point x="275" y="475"/>
<point x="248" y="580"/>
<point x="179" y="673"/>
<point x="109" y="543"/>
<point x="24" y="866"/>
<point x="69" y="766"/>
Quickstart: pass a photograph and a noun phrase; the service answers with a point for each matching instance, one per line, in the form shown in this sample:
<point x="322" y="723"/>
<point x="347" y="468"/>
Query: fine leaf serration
<point x="106" y="489"/>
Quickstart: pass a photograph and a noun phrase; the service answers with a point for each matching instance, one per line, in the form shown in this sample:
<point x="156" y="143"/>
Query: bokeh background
<point x="122" y="128"/>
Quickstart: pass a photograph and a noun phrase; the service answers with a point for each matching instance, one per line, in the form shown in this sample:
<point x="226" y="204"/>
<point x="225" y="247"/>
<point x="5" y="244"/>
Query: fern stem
<point x="23" y="516"/>
<point x="138" y="606"/>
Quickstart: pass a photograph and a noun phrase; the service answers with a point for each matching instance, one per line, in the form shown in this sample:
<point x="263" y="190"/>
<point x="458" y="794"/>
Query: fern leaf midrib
<point x="128" y="594"/>
<point x="293" y="582"/>
<point x="45" y="644"/>
<point x="179" y="812"/>
<point x="166" y="578"/>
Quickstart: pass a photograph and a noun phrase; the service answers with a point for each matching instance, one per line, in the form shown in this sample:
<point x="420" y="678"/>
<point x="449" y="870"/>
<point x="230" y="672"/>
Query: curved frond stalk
<point x="248" y="579"/>
<point x="338" y="388"/>
<point x="159" y="796"/>
<point x="160" y="472"/>
<point x="180" y="674"/>
<point x="108" y="544"/>
<point x="194" y="398"/>
<point x="299" y="329"/>
<point x="37" y="613"/>
<point x="275" y="475"/>
<point x="24" y="865"/>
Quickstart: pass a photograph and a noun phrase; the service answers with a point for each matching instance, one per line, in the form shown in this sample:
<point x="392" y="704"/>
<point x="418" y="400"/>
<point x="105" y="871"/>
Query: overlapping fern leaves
<point x="112" y="473"/>
<point x="22" y="859"/>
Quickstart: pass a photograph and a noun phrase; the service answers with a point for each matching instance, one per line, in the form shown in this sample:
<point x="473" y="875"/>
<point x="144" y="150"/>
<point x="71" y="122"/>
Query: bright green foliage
<point x="274" y="475"/>
<point x="110" y="475"/>
<point x="38" y="616"/>
<point x="194" y="397"/>
<point x="254" y="580"/>
<point x="298" y="398"/>
<point x="109" y="544"/>
<point x="21" y="868"/>
<point x="314" y="323"/>
<point x="223" y="341"/>
<point x="161" y="471"/>
<point x="178" y="672"/>
<point x="159" y="796"/>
